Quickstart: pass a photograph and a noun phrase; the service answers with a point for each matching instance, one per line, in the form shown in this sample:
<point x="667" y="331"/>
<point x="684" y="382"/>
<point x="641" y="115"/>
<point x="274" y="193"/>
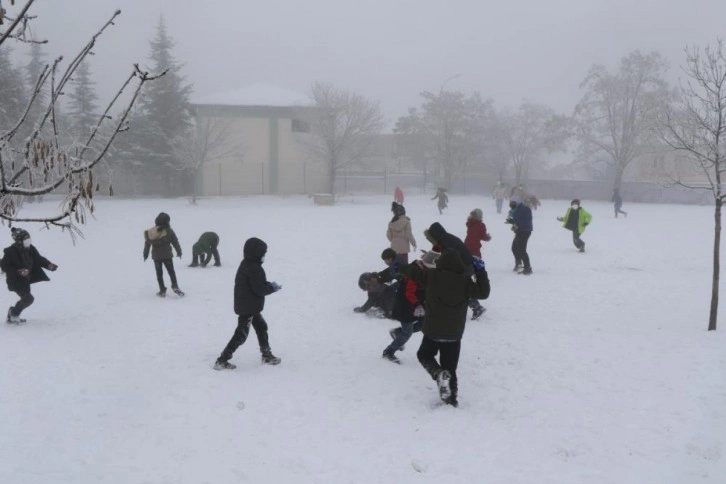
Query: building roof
<point x="256" y="95"/>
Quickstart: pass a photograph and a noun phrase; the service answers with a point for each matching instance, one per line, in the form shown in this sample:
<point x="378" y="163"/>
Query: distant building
<point x="263" y="143"/>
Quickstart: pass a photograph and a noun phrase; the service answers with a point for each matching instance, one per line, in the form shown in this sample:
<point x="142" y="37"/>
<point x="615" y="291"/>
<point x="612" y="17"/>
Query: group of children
<point x="431" y="294"/>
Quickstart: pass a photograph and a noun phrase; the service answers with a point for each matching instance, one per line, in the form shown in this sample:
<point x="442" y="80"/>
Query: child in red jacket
<point x="476" y="231"/>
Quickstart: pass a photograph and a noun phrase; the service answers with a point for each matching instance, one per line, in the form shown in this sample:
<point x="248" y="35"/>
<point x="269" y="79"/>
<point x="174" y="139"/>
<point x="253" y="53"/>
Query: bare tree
<point x="696" y="126"/>
<point x="43" y="162"/>
<point x="618" y="112"/>
<point x="344" y="125"/>
<point x="529" y="131"/>
<point x="452" y="129"/>
<point x="213" y="141"/>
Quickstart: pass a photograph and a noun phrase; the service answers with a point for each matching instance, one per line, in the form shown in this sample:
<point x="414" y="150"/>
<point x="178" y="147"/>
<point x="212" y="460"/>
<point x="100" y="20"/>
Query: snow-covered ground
<point x="597" y="369"/>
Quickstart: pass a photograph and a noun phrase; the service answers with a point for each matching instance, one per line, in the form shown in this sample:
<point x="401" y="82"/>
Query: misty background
<point x="385" y="50"/>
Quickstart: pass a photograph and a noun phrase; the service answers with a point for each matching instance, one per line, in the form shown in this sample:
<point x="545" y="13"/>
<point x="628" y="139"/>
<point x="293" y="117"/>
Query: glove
<point x="418" y="311"/>
<point x="24" y="272"/>
<point x="586" y="224"/>
<point x="52" y="267"/>
<point x="358" y="310"/>
<point x="560" y="219"/>
<point x="275" y="286"/>
<point x="478" y="264"/>
<point x="179" y="255"/>
<point x="487" y="237"/>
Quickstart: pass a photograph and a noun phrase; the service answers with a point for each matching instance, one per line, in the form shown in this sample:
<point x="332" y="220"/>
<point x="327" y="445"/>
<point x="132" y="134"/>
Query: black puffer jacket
<point x="448" y="289"/>
<point x="17" y="257"/>
<point x="250" y="283"/>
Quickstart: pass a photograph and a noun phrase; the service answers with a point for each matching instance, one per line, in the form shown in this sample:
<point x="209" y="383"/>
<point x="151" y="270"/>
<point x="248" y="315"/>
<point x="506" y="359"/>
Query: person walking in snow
<point x="250" y="289"/>
<point x="442" y="240"/>
<point x="476" y="232"/>
<point x="398" y="196"/>
<point x="399" y="234"/>
<point x="448" y="287"/>
<point x="205" y="249"/>
<point x="443" y="199"/>
<point x="160" y="238"/>
<point x="576" y="219"/>
<point x="520" y="217"/>
<point x="499" y="194"/>
<point x="408" y="310"/>
<point x="23" y="265"/>
<point x="618" y="203"/>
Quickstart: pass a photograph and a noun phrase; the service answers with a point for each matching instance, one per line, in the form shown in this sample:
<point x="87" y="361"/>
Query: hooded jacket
<point x="17" y="257"/>
<point x="160" y="238"/>
<point x="250" y="283"/>
<point x="400" y="236"/>
<point x="476" y="231"/>
<point x="448" y="289"/>
<point x="583" y="219"/>
<point x="445" y="240"/>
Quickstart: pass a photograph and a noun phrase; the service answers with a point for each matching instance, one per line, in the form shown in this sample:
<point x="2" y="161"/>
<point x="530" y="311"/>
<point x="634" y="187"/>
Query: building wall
<point x="271" y="159"/>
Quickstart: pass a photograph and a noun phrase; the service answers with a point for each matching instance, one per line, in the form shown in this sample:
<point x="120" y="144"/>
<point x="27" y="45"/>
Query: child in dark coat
<point x="448" y="289"/>
<point x="23" y="265"/>
<point x="408" y="309"/>
<point x="160" y="238"/>
<point x="205" y="249"/>
<point x="380" y="295"/>
<point x="443" y="199"/>
<point x="250" y="289"/>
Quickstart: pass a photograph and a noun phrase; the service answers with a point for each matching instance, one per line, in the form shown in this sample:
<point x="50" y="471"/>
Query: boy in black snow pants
<point x="23" y="265"/>
<point x="160" y="238"/>
<point x="250" y="288"/>
<point x="448" y="289"/>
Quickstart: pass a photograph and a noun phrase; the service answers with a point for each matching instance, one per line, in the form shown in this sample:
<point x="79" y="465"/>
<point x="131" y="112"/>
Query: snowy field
<point x="596" y="369"/>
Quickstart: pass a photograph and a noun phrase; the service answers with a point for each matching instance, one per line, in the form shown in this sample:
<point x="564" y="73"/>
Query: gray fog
<point x="388" y="50"/>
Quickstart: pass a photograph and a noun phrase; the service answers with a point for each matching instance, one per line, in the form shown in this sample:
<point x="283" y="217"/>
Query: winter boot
<point x="193" y="264"/>
<point x="161" y="293"/>
<point x="442" y="380"/>
<point x="268" y="358"/>
<point x="177" y="291"/>
<point x="390" y="357"/>
<point x="452" y="401"/>
<point x="13" y="319"/>
<point x="582" y="248"/>
<point x="517" y="266"/>
<point x="477" y="312"/>
<point x="224" y="365"/>
<point x="527" y="271"/>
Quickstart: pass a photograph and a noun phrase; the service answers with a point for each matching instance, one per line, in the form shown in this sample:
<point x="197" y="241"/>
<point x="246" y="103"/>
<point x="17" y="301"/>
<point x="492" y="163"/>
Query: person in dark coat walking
<point x="23" y="265"/>
<point x="442" y="240"/>
<point x="160" y="238"/>
<point x="205" y="249"/>
<point x="250" y="289"/>
<point x="520" y="217"/>
<point x="618" y="203"/>
<point x="448" y="287"/>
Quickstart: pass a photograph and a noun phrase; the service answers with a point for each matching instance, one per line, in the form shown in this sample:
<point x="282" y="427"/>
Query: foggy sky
<point x="388" y="50"/>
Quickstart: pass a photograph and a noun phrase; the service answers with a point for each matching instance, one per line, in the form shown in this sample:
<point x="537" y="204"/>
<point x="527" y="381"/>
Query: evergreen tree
<point x="82" y="108"/>
<point x="163" y="119"/>
<point x="13" y="98"/>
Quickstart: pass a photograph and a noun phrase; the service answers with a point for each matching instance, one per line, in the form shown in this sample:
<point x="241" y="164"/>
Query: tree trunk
<point x="619" y="171"/>
<point x="331" y="178"/>
<point x="713" y="316"/>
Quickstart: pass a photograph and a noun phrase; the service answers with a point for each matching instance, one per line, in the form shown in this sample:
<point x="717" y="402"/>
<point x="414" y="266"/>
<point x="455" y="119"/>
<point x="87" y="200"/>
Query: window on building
<point x="300" y="126"/>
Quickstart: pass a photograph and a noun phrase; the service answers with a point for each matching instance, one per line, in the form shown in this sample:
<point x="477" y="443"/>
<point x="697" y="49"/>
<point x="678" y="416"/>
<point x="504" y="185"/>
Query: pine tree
<point x="13" y="98"/>
<point x="82" y="108"/>
<point x="165" y="118"/>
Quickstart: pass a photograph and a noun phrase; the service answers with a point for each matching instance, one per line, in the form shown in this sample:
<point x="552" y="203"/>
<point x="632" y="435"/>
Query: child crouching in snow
<point x="448" y="290"/>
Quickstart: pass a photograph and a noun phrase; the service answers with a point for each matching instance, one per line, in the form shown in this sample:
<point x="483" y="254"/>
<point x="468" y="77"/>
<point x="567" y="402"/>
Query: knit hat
<point x="399" y="210"/>
<point x="394" y="204"/>
<point x="19" y="234"/>
<point x="575" y="201"/>
<point x="476" y="214"/>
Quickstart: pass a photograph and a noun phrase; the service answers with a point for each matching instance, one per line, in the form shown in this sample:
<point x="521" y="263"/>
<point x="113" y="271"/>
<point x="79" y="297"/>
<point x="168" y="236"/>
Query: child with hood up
<point x="160" y="238"/>
<point x="448" y="287"/>
<point x="476" y="232"/>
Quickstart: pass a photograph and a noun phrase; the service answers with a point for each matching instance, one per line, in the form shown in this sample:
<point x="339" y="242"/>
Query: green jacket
<point x="448" y="290"/>
<point x="583" y="219"/>
<point x="207" y="241"/>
